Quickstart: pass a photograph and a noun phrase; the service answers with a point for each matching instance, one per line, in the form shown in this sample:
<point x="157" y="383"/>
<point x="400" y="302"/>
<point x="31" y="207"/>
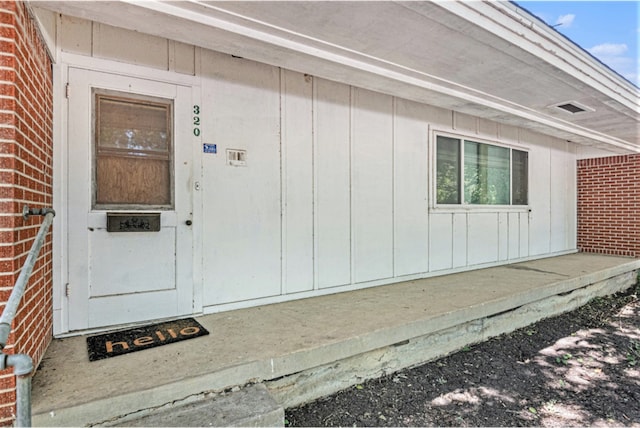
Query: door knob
<point x="188" y="222"/>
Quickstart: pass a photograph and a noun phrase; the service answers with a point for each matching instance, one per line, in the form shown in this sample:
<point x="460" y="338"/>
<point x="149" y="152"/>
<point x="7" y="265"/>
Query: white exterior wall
<point x="338" y="189"/>
<point x="356" y="186"/>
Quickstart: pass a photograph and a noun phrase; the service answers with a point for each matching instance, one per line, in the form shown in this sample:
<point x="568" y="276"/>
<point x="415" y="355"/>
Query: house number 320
<point x="196" y="120"/>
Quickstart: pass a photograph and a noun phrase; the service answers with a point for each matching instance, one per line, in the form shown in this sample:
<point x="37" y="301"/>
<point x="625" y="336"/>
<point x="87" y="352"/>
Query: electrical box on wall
<point x="236" y="157"/>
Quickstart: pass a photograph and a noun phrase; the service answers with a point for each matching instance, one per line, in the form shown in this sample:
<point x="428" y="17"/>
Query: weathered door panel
<point x="133" y="274"/>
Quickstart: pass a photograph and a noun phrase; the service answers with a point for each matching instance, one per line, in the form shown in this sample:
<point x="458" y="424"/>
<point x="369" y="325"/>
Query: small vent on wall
<point x="572" y="107"/>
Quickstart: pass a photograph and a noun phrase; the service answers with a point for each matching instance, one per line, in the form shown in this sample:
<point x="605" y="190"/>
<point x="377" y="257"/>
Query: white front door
<point x="129" y="202"/>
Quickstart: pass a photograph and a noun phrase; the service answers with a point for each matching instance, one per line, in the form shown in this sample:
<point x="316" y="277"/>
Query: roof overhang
<point x="488" y="59"/>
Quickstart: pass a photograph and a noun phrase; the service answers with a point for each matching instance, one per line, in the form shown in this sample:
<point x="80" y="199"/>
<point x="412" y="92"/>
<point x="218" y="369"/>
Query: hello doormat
<point x="140" y="338"/>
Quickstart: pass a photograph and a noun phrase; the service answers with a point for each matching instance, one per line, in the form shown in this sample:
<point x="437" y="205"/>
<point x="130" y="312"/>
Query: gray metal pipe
<point x="23" y="401"/>
<point x="11" y="307"/>
<point x="22" y="363"/>
<point x="22" y="368"/>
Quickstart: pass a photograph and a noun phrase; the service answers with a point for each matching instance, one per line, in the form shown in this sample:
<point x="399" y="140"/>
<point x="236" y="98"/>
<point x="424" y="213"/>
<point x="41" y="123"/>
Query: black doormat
<point x="140" y="338"/>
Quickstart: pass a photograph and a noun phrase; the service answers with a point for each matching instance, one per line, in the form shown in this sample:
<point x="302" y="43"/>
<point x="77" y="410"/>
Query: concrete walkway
<point x="284" y="344"/>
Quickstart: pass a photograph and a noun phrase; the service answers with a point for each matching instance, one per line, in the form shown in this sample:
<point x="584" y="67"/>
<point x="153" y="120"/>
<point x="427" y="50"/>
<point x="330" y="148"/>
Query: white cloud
<point x="615" y="56"/>
<point x="565" y="21"/>
<point x="608" y="49"/>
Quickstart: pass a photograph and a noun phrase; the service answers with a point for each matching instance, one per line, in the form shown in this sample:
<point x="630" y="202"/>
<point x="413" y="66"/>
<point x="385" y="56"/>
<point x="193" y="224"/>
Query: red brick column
<point x="609" y="205"/>
<point x="26" y="153"/>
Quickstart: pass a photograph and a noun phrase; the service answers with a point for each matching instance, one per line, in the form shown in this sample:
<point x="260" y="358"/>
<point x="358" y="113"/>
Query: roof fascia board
<point x="536" y="38"/>
<point x="580" y="54"/>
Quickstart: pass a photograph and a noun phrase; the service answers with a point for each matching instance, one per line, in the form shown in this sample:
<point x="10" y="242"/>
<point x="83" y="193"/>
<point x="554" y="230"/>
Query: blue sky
<point x="609" y="30"/>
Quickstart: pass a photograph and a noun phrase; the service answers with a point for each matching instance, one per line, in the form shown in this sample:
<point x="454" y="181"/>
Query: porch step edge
<point x="252" y="406"/>
<point x="316" y="382"/>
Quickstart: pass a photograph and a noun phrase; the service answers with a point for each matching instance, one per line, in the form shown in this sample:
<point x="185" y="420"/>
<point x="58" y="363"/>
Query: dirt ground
<point x="581" y="368"/>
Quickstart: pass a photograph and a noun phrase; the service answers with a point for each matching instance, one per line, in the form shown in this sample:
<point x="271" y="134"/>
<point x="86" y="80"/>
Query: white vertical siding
<point x="437" y="117"/>
<point x="440" y="242"/>
<point x="465" y="123"/>
<point x="503" y="236"/>
<point x="372" y="186"/>
<point x="572" y="196"/>
<point x="132" y="46"/>
<point x="241" y="233"/>
<point x="539" y="192"/>
<point x="182" y="57"/>
<point x="483" y="238"/>
<point x="338" y="189"/>
<point x="508" y="134"/>
<point x="83" y="37"/>
<point x="297" y="182"/>
<point x="488" y="128"/>
<point x="514" y="238"/>
<point x="525" y="232"/>
<point x="76" y="35"/>
<point x="333" y="183"/>
<point x="460" y="256"/>
<point x="411" y="201"/>
<point x="563" y="201"/>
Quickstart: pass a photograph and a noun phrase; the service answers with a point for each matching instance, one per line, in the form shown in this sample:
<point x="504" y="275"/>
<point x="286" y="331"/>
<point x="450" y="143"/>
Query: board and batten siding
<point x="355" y="170"/>
<point x="338" y="188"/>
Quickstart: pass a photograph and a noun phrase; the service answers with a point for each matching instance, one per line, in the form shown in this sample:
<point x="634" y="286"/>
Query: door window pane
<point x="448" y="170"/>
<point x="133" y="149"/>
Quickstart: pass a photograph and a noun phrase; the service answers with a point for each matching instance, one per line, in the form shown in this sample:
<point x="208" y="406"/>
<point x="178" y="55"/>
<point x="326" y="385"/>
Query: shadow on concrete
<point x="578" y="369"/>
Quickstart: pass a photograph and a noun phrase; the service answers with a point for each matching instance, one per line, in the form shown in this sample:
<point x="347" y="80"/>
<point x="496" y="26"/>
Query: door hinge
<point x="67" y="91"/>
<point x="67" y="289"/>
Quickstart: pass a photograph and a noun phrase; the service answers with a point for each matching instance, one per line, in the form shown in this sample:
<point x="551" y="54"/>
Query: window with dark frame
<point x="133" y="152"/>
<point x="474" y="173"/>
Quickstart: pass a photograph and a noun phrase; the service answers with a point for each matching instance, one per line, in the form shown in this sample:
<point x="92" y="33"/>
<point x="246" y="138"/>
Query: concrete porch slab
<point x="295" y="347"/>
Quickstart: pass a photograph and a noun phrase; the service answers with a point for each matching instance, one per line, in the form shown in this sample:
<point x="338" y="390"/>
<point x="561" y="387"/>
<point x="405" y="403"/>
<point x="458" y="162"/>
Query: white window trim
<point x="463" y="207"/>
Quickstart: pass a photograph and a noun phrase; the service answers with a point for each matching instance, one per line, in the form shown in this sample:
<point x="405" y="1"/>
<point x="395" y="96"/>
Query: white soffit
<point x="489" y="59"/>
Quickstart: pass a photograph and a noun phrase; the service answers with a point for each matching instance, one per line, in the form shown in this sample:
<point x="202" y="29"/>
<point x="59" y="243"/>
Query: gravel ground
<point x="581" y="368"/>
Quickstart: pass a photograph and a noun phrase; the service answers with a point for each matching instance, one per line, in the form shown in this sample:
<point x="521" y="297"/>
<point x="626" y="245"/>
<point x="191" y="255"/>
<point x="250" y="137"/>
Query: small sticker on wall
<point x="210" y="148"/>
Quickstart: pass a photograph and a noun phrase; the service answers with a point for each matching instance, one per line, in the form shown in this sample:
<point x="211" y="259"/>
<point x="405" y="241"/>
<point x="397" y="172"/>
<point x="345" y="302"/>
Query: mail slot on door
<point x="133" y="222"/>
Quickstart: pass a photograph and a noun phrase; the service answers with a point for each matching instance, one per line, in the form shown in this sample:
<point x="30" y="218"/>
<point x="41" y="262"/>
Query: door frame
<point x="61" y="187"/>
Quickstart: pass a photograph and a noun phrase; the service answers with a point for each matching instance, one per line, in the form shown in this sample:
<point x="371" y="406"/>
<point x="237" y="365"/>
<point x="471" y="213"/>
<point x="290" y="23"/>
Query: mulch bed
<point x="581" y="368"/>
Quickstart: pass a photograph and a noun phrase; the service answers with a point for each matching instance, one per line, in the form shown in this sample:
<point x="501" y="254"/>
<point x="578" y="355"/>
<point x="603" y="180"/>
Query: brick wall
<point x="609" y="205"/>
<point x="26" y="151"/>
